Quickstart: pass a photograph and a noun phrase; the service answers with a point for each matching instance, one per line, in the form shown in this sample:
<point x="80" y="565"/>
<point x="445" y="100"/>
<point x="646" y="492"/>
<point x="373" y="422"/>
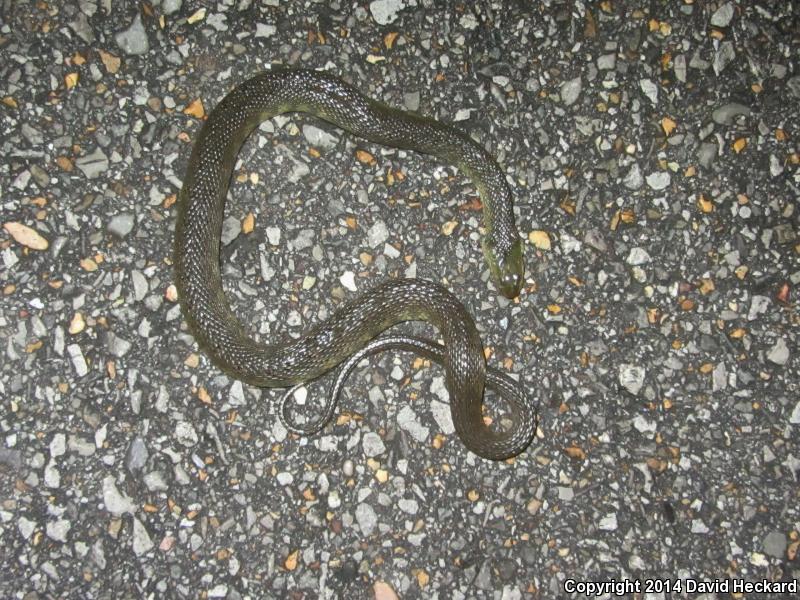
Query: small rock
<point x="265" y="31"/>
<point x="649" y="89"/>
<point x="121" y="225"/>
<point x="117" y="346"/>
<point x="408" y="421"/>
<point x="137" y="454"/>
<point x="58" y="530"/>
<point x="78" y="361"/>
<point x="706" y="154"/>
<point x="385" y="11"/>
<point x="116" y="503"/>
<point x="348" y="280"/>
<point x="366" y="518"/>
<point x="372" y="444"/>
<point x="319" y="137"/>
<point x="779" y="353"/>
<point x="608" y="523"/>
<point x="638" y="256"/>
<point x="93" y="165"/>
<point x="723" y="56"/>
<point x="377" y="234"/>
<point x="758" y="305"/>
<point x="58" y="445"/>
<point x="141" y="539"/>
<point x="231" y="228"/>
<point x="631" y="377"/>
<point x="633" y="180"/>
<point x="185" y="434"/>
<point x="723" y="15"/>
<point x="134" y="39"/>
<point x="724" y="115"/>
<point x="644" y="425"/>
<point x="658" y="180"/>
<point x="171" y="6"/>
<point x="775" y="544"/>
<point x="571" y="90"/>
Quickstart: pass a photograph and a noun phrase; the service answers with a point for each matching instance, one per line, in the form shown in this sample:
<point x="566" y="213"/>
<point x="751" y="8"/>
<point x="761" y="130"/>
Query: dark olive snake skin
<point x="349" y="330"/>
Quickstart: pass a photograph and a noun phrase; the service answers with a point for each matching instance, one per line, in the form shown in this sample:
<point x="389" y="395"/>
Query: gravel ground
<point x="652" y="148"/>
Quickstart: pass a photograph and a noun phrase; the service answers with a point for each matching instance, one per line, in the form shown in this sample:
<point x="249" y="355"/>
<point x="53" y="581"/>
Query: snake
<point x="355" y="328"/>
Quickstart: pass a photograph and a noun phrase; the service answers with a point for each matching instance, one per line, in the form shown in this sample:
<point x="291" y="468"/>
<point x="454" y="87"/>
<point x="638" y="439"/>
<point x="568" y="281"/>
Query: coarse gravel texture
<point x="652" y="148"/>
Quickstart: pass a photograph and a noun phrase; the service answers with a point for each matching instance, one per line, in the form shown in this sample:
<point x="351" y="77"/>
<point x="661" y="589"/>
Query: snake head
<point x="506" y="265"/>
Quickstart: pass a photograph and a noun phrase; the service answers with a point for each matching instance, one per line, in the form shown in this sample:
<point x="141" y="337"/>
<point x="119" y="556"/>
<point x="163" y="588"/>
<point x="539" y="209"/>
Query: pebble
<point x="78" y="361"/>
<point x="93" y="165"/>
<point x="724" y="115"/>
<point x="631" y="377"/>
<point x="121" y="225"/>
<point x="377" y="234"/>
<point x="408" y="421"/>
<point x="58" y="445"/>
<point x="649" y="89"/>
<point x="775" y="544"/>
<point x="608" y="522"/>
<point x="386" y="11"/>
<point x="571" y="90"/>
<point x="142" y="543"/>
<point x="116" y="503"/>
<point x="137" y="454"/>
<point x="367" y="518"/>
<point x="231" y="228"/>
<point x="638" y="256"/>
<point x="779" y="353"/>
<point x="170" y="7"/>
<point x="185" y="434"/>
<point x="758" y="306"/>
<point x="273" y="235"/>
<point x="133" y="40"/>
<point x="659" y="180"/>
<point x="707" y="153"/>
<point x="117" y="346"/>
<point x="58" y="530"/>
<point x="372" y="444"/>
<point x="723" y="56"/>
<point x="633" y="180"/>
<point x="723" y="15"/>
<point x="348" y="280"/>
<point x="319" y="137"/>
<point x="264" y="30"/>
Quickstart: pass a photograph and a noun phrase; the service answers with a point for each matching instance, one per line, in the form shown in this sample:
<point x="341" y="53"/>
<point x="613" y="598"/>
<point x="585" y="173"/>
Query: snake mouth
<point x="507" y="269"/>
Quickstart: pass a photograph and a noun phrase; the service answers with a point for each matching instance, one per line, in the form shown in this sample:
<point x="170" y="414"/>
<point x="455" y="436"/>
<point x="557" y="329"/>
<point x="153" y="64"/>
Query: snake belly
<point x="223" y="337"/>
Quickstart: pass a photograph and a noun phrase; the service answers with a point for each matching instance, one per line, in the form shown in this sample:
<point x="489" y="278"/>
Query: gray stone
<point x="649" y="89"/>
<point x="117" y="346"/>
<point x="631" y="377"/>
<point x="185" y="434"/>
<point x="141" y="539"/>
<point x="634" y="180"/>
<point x="377" y="234"/>
<point x="231" y="228"/>
<point x="779" y="353"/>
<point x="121" y="225"/>
<point x="93" y="165"/>
<point x="134" y="39"/>
<point x="372" y="444"/>
<point x="724" y="115"/>
<point x="264" y="30"/>
<point x="659" y="180"/>
<point x="116" y="502"/>
<point x="723" y="15"/>
<point x="408" y="421"/>
<point x="366" y="518"/>
<point x="571" y="90"/>
<point x="638" y="256"/>
<point x="775" y="544"/>
<point x="171" y="6"/>
<point x="385" y="11"/>
<point x="319" y="137"/>
<point x="58" y="530"/>
<point x="137" y="454"/>
<point x="706" y="154"/>
<point x="723" y="56"/>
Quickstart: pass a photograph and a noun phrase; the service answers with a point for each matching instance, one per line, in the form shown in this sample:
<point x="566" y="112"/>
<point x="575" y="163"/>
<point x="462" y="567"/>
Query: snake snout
<point x="510" y="285"/>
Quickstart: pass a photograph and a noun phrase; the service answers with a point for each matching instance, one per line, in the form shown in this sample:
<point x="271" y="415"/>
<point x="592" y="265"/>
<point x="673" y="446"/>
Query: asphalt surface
<point x="652" y="149"/>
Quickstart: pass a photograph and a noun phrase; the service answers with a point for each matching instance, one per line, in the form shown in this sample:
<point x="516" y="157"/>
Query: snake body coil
<point x="351" y="327"/>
